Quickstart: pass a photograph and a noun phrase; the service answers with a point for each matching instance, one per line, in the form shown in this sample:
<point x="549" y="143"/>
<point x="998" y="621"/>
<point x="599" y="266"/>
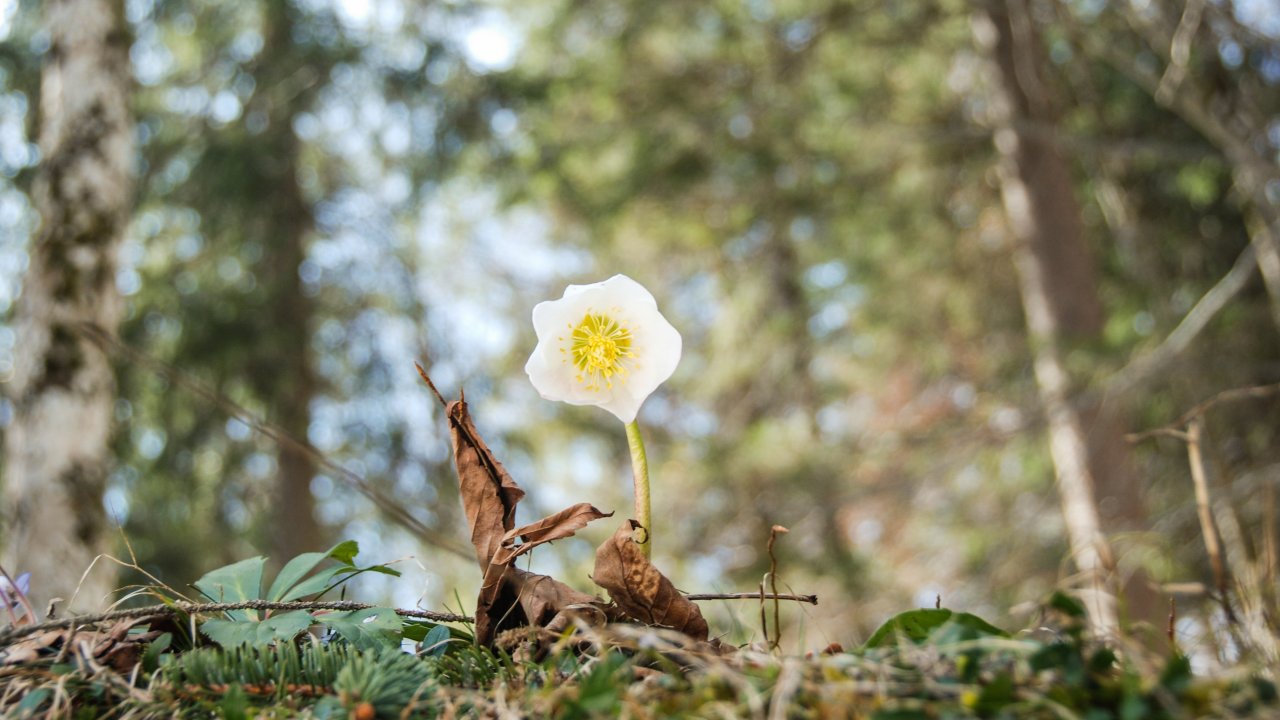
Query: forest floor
<point x="922" y="664"/>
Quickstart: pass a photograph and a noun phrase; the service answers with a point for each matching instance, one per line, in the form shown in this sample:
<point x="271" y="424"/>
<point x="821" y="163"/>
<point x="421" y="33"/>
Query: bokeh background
<point x="330" y="190"/>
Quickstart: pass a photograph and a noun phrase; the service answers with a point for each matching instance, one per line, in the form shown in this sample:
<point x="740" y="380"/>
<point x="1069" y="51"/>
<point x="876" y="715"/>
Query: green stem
<point x="640" y="471"/>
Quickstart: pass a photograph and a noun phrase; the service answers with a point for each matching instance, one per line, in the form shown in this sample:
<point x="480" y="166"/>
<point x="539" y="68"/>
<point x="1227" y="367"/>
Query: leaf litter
<point x="511" y="598"/>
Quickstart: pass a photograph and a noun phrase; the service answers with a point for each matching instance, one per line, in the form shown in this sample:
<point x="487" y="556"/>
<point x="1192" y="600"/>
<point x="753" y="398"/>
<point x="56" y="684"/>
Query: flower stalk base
<point x="640" y="471"/>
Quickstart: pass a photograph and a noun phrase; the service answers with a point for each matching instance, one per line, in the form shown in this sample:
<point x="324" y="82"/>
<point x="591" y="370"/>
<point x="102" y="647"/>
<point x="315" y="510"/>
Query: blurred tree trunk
<point x="63" y="389"/>
<point x="288" y="381"/>
<point x="1058" y="282"/>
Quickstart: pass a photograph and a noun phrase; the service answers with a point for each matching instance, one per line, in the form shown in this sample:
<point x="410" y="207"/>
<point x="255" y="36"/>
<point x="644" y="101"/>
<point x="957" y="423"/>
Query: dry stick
<point x="1208" y="528"/>
<point x="764" y="626"/>
<point x="811" y="599"/>
<point x="1269" y="552"/>
<point x="427" y="378"/>
<point x="774" y="532"/>
<point x="190" y="608"/>
<point x="393" y="508"/>
<point x="1180" y="52"/>
<point x="1171" y="630"/>
<point x="1174" y="429"/>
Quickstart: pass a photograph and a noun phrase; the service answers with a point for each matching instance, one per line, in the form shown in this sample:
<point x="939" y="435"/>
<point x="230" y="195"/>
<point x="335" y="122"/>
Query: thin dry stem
<point x="189" y="608"/>
<point x="811" y="599"/>
<point x="1208" y="528"/>
<point x="1174" y="429"/>
<point x="427" y="378"/>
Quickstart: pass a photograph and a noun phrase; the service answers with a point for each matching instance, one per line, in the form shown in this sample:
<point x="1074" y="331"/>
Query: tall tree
<point x="57" y="453"/>
<point x="283" y="224"/>
<point x="1058" y="279"/>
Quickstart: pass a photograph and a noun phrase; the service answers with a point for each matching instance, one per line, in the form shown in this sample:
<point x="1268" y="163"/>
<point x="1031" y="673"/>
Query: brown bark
<point x="294" y="528"/>
<point x="1058" y="283"/>
<point x="57" y="454"/>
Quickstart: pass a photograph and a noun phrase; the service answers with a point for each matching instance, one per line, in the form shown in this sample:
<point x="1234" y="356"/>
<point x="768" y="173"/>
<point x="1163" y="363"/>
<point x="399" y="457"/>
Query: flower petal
<point x="651" y="354"/>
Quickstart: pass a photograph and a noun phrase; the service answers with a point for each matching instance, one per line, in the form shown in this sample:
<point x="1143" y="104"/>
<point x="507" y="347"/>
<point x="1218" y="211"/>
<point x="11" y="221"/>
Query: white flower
<point x="603" y="344"/>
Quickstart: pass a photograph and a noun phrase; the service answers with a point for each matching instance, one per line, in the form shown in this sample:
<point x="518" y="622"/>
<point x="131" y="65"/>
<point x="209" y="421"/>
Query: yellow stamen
<point x="600" y="348"/>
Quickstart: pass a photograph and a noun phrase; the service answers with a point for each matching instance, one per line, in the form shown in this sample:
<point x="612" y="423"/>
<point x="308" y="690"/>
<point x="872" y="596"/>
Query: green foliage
<point x="234" y="583"/>
<point x="277" y="627"/>
<point x="393" y="682"/>
<point x="599" y="691"/>
<point x="366" y="629"/>
<point x="938" y="625"/>
<point x="976" y="672"/>
<point x="473" y="666"/>
<point x="299" y="579"/>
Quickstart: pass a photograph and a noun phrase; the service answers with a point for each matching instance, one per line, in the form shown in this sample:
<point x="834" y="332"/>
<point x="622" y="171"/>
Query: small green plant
<point x="302" y="578"/>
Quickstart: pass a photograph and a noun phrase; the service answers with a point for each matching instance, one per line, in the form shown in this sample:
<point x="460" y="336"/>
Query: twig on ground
<point x="811" y="599"/>
<point x="189" y="608"/>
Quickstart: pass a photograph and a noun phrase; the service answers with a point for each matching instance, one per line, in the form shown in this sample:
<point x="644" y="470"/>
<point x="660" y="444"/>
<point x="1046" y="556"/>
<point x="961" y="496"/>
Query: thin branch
<point x="1180" y="51"/>
<point x="811" y="599"/>
<point x="774" y="532"/>
<point x="395" y="509"/>
<point x="427" y="378"/>
<point x="1208" y="528"/>
<point x="1174" y="428"/>
<point x="1151" y="363"/>
<point x="189" y="608"/>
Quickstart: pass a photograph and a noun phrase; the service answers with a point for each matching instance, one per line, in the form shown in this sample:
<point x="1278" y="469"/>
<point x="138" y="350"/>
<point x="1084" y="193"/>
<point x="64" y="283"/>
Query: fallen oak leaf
<point x="640" y="590"/>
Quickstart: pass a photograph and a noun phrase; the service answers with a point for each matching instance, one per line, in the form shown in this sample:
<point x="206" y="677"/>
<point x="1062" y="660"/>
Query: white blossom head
<point x="602" y="344"/>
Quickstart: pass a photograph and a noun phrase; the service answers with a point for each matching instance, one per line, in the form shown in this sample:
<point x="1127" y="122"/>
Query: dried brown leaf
<point x="509" y="597"/>
<point x="640" y="590"/>
<point x="553" y="527"/>
<point x="523" y="598"/>
<point x="489" y="494"/>
<point x="29" y="649"/>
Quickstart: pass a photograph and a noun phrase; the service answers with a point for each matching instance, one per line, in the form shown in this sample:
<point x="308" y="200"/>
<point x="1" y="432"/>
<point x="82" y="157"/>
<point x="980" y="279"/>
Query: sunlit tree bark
<point x="1058" y="283"/>
<point x="56" y="459"/>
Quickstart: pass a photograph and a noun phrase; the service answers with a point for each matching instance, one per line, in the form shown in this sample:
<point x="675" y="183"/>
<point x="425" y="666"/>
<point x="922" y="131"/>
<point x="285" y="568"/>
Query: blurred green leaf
<point x="293" y="571"/>
<point x="365" y="629"/>
<point x="233" y="583"/>
<point x="277" y="628"/>
<point x="918" y="626"/>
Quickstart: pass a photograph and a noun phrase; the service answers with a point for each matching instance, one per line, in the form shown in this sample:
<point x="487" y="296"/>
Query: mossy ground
<point x="640" y="673"/>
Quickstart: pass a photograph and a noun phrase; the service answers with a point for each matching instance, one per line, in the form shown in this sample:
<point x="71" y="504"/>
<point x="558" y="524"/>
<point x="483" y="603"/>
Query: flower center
<point x="598" y="347"/>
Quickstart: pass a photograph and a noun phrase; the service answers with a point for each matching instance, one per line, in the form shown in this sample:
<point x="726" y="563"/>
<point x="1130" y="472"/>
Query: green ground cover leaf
<point x="925" y="624"/>
<point x="366" y="629"/>
<point x="277" y="628"/>
<point x="236" y="582"/>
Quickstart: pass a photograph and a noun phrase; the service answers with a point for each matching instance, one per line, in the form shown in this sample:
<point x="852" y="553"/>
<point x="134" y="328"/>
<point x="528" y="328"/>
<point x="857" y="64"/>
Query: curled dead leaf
<point x="509" y="598"/>
<point x="640" y="590"/>
<point x="489" y="494"/>
<point x="553" y="527"/>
